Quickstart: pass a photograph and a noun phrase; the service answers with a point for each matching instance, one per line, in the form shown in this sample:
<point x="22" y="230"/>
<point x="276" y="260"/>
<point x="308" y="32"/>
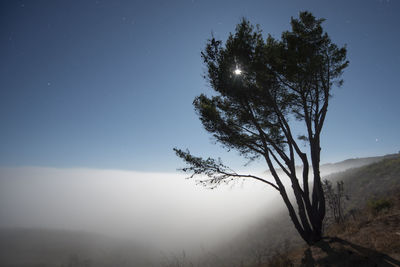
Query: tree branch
<point x="216" y="170"/>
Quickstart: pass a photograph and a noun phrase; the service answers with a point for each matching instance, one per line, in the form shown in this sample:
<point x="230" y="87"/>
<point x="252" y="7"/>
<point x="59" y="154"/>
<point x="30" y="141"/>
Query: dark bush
<point x="379" y="205"/>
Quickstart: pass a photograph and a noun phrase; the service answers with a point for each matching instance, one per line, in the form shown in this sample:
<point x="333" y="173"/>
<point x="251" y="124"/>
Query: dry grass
<point x="378" y="231"/>
<point x="368" y="238"/>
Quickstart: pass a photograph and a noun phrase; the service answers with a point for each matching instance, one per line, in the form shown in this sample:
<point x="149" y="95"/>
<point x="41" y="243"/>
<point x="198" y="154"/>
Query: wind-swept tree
<point x="261" y="88"/>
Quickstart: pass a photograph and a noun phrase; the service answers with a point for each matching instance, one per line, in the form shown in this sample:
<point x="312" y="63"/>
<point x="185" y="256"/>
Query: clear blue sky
<point x="110" y="84"/>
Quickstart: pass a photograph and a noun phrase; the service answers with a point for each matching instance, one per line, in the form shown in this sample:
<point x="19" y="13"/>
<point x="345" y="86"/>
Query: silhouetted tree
<point x="261" y="87"/>
<point x="335" y="199"/>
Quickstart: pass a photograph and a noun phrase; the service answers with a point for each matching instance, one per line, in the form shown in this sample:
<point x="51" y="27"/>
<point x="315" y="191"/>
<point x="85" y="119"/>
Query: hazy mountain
<point x="352" y="163"/>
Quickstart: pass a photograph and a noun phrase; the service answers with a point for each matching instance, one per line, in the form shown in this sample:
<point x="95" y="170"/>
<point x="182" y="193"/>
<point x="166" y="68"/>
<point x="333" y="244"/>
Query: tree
<point x="335" y="200"/>
<point x="262" y="87"/>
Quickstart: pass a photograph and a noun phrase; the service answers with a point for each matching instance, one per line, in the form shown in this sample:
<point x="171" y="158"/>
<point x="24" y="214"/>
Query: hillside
<point x="374" y="180"/>
<point x="353" y="163"/>
<point x="370" y="235"/>
<point x="341" y="166"/>
<point x="370" y="238"/>
<point x="274" y="235"/>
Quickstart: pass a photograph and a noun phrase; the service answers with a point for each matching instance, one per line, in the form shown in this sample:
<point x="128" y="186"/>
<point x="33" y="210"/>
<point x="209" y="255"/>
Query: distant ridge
<point x="374" y="180"/>
<point x="330" y="168"/>
<point x="353" y="163"/>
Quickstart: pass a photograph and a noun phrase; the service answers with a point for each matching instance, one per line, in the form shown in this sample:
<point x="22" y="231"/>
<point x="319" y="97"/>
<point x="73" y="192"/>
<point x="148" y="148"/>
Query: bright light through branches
<point x="237" y="71"/>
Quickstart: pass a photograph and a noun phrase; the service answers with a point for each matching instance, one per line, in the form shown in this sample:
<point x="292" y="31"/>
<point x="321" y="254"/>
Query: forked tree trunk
<point x="308" y="219"/>
<point x="310" y="214"/>
<point x="309" y="227"/>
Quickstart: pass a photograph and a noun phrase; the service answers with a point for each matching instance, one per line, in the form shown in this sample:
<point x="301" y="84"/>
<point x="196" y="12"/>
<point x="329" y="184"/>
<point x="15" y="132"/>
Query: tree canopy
<point x="262" y="85"/>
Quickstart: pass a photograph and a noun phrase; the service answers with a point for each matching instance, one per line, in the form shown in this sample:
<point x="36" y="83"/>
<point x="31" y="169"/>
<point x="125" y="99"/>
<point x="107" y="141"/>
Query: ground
<point x="369" y="238"/>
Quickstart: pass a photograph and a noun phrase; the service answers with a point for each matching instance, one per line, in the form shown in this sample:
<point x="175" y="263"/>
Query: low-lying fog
<point x="157" y="211"/>
<point x="161" y="210"/>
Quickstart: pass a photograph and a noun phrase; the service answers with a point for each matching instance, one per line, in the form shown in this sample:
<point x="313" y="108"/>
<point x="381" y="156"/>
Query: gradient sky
<point x="110" y="84"/>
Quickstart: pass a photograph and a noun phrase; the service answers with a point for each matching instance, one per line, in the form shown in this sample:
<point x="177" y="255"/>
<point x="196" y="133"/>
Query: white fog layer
<point x="164" y="210"/>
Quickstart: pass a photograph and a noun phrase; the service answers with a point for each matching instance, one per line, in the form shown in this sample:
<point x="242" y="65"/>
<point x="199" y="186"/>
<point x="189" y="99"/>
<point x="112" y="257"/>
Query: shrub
<point x="379" y="205"/>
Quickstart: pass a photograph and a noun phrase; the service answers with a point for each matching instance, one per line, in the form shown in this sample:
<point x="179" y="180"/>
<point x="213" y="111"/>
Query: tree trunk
<point x="306" y="225"/>
<point x="308" y="220"/>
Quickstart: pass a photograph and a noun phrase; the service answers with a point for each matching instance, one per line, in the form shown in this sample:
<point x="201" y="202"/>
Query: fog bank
<point x="162" y="210"/>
